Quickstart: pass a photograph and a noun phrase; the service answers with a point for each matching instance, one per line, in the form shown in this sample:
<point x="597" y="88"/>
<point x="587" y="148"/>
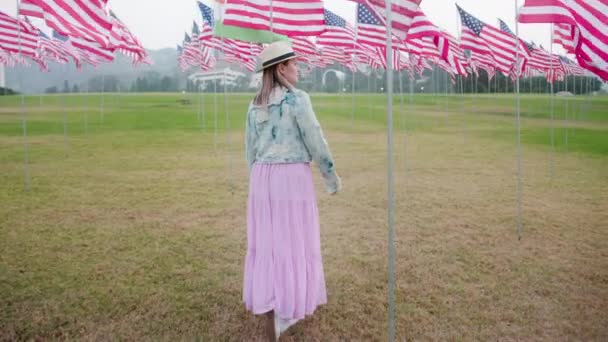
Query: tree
<point x="51" y="90"/>
<point x="75" y="89"/>
<point x="66" y="86"/>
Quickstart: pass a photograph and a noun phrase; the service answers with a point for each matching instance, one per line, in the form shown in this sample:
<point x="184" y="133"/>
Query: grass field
<point x="134" y="227"/>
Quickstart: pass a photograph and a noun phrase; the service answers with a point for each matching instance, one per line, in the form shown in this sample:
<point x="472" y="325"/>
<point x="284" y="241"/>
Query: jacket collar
<point x="277" y="95"/>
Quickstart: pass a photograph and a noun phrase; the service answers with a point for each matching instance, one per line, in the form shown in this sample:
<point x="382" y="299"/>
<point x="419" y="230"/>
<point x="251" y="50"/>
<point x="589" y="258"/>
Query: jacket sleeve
<point x="250" y="138"/>
<point x="315" y="142"/>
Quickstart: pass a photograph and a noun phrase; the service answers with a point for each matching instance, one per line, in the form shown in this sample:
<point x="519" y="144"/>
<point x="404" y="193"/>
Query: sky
<point x="161" y="24"/>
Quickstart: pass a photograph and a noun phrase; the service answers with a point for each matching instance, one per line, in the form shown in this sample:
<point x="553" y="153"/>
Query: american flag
<point x="18" y="36"/>
<point x="457" y="59"/>
<point x="87" y="20"/>
<point x="422" y="27"/>
<point x="370" y="28"/>
<point x="334" y="54"/>
<point x="337" y="31"/>
<point x="93" y="48"/>
<point x="562" y="34"/>
<point x="289" y="17"/>
<point x="542" y="60"/>
<point x="51" y="49"/>
<point x="523" y="47"/>
<point x="589" y="24"/>
<point x="303" y="46"/>
<point x="500" y="44"/>
<point x="403" y="12"/>
<point x="570" y="67"/>
<point x="208" y="22"/>
<point x="69" y="49"/>
<point x="125" y="42"/>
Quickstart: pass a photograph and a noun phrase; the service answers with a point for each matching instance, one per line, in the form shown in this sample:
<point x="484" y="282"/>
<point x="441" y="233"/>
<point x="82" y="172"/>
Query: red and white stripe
<point x="332" y="54"/>
<point x="589" y="32"/>
<point x="289" y="17"/>
<point x="84" y="19"/>
<point x="402" y="15"/>
<point x="94" y="49"/>
<point x="337" y="36"/>
<point x="303" y="46"/>
<point x="562" y="34"/>
<point x="18" y="36"/>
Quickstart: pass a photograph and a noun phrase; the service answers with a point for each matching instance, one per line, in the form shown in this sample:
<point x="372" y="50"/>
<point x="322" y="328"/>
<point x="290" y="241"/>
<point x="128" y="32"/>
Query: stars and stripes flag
<point x="52" y="49"/>
<point x="403" y="12"/>
<point x="522" y="46"/>
<point x="87" y="20"/>
<point x="303" y="46"/>
<point x="18" y="36"/>
<point x="495" y="42"/>
<point x="371" y="29"/>
<point x="338" y="32"/>
<point x="542" y="60"/>
<point x="562" y="35"/>
<point x="206" y="32"/>
<point x="422" y="27"/>
<point x="288" y="17"/>
<point x="68" y="48"/>
<point x="589" y="27"/>
<point x="125" y="42"/>
<point x="570" y="67"/>
<point x="86" y="51"/>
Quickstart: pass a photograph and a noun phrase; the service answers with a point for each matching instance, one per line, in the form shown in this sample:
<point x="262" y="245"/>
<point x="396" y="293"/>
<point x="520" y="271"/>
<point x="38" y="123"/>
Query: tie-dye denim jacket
<point x="287" y="131"/>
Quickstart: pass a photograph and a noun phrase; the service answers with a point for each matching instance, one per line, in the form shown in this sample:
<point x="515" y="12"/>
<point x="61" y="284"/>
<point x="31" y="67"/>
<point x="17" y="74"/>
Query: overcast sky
<point x="160" y="24"/>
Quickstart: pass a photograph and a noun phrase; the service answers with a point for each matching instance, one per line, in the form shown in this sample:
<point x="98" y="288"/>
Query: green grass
<point x="134" y="228"/>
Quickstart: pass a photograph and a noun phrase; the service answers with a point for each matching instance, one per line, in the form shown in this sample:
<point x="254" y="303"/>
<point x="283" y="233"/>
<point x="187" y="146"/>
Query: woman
<point x="283" y="268"/>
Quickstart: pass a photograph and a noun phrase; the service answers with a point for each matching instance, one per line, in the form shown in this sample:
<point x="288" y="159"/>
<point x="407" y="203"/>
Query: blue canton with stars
<point x="207" y="13"/>
<point x="366" y="16"/>
<point x="470" y="21"/>
<point x="505" y="28"/>
<point x="332" y="19"/>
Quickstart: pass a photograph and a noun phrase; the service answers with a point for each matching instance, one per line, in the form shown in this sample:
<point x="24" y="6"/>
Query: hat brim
<point x="277" y="60"/>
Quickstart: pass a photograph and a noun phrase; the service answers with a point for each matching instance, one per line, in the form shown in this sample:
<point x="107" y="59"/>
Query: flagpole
<point x="23" y="115"/>
<point x="369" y="90"/>
<point x="411" y="110"/>
<point x="519" y="180"/>
<point x="552" y="101"/>
<point x="65" y="114"/>
<point x="567" y="111"/>
<point x="391" y="195"/>
<point x="103" y="84"/>
<point x="215" y="114"/>
<point x="86" y="113"/>
<point x="354" y="60"/>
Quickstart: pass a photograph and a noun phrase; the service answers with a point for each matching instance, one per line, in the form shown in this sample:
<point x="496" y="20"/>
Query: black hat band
<point x="278" y="59"/>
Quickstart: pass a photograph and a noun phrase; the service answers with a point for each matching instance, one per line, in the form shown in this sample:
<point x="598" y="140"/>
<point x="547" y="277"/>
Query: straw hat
<point x="276" y="53"/>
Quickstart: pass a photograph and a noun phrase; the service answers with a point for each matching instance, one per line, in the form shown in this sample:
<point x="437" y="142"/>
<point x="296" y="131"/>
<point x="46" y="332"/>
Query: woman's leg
<point x="270" y="333"/>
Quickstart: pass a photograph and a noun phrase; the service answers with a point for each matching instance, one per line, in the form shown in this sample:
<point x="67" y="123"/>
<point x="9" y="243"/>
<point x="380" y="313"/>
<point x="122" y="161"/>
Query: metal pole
<point x="86" y="113"/>
<point x="411" y="110"/>
<point x="369" y="90"/>
<point x="552" y="99"/>
<point x="391" y="195"/>
<point x="65" y="115"/>
<point x="23" y="117"/>
<point x="566" y="113"/>
<point x="519" y="180"/>
<point x="215" y="114"/>
<point x="228" y="132"/>
<point x="352" y="106"/>
<point x="103" y="84"/>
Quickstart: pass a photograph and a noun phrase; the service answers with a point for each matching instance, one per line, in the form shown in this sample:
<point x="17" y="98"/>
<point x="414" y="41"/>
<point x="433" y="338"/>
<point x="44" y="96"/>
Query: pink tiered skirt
<point x="283" y="266"/>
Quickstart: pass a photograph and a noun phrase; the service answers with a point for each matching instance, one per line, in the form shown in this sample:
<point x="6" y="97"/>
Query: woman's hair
<point x="270" y="79"/>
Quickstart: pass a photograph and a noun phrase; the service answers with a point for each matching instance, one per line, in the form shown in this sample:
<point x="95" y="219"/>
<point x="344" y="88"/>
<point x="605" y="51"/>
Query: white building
<point x="217" y="75"/>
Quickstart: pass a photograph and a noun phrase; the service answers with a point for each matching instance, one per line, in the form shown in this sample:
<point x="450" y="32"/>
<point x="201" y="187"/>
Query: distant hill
<point x="35" y="81"/>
